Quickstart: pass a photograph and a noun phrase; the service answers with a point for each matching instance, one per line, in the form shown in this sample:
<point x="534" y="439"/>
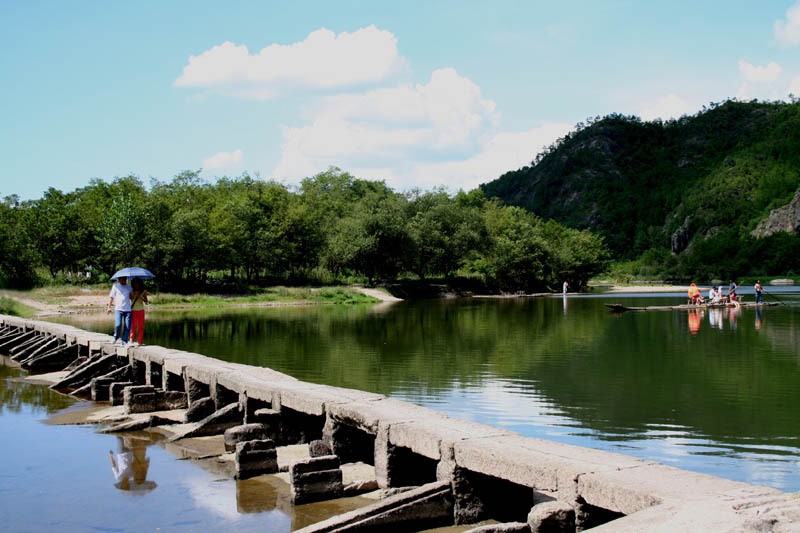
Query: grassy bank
<point x="330" y="295"/>
<point x="9" y="306"/>
<point x="60" y="298"/>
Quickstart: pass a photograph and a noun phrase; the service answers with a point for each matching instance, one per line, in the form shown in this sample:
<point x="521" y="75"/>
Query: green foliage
<point x="444" y="232"/>
<point x="232" y="235"/>
<point x="9" y="306"/>
<point x="635" y="183"/>
<point x="18" y="257"/>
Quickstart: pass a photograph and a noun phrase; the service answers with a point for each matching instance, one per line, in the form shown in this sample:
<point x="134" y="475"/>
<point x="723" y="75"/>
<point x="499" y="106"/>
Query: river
<point x="713" y="392"/>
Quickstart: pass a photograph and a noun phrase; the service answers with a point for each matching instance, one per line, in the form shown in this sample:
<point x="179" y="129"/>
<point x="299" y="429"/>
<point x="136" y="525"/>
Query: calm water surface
<point x="714" y="392"/>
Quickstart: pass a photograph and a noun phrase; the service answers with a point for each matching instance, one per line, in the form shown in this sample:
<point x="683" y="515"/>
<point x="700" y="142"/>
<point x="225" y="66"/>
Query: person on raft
<point x="694" y="294"/>
<point x="713" y="297"/>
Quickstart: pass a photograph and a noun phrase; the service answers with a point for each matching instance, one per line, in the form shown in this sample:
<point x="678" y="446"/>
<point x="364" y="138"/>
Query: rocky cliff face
<point x="786" y="218"/>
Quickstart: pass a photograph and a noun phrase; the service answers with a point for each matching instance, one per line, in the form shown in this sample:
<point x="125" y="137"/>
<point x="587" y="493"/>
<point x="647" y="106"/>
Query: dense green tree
<point x="373" y="239"/>
<point x="518" y="256"/>
<point x="51" y="229"/>
<point x="17" y="252"/>
<point x="444" y="234"/>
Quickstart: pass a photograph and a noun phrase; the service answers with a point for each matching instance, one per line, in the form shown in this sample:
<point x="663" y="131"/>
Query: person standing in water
<point x="138" y="299"/>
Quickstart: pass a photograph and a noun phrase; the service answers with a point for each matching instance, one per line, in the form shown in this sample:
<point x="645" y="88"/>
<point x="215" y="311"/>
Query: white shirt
<point x="122" y="296"/>
<point x="124" y="465"/>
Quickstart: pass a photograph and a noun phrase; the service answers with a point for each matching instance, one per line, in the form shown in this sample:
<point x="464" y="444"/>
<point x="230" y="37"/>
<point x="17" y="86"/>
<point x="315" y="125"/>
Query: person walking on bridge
<point x="120" y="298"/>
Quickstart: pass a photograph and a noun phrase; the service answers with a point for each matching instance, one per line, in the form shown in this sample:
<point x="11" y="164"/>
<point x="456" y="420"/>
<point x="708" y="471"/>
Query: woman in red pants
<point x="138" y="299"/>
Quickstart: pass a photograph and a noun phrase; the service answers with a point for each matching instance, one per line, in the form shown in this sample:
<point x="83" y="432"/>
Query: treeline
<point x="243" y="231"/>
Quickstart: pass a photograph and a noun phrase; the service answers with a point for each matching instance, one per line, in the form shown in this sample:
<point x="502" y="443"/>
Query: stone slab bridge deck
<point x="526" y="484"/>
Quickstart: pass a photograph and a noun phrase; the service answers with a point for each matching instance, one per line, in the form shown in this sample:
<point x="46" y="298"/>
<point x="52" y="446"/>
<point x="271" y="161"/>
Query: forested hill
<point x="665" y="185"/>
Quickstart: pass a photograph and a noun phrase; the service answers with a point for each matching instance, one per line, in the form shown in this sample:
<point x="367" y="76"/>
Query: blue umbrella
<point x="133" y="272"/>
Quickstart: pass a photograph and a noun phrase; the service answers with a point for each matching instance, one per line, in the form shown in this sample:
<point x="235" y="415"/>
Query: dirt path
<point x="376" y="293"/>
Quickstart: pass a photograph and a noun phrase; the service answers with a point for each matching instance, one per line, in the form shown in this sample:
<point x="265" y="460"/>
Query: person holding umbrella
<point x="120" y="298"/>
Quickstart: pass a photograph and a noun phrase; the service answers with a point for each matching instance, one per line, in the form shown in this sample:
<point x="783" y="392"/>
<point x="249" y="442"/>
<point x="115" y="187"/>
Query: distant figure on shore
<point x="694" y="294"/>
<point x="120" y="298"/>
<point x="138" y="299"/>
<point x="758" y="288"/>
<point x="565" y="288"/>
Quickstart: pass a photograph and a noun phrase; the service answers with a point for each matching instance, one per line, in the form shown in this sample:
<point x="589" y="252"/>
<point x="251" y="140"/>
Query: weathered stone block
<point x="200" y="409"/>
<point x="509" y="527"/>
<point x="552" y="517"/>
<point x="146" y="398"/>
<point x="116" y="391"/>
<point x="314" y="464"/>
<point x="255" y="458"/>
<point x="316" y="486"/>
<point x="318" y="448"/>
<point x="101" y="389"/>
<point x="144" y="402"/>
<point x="244" y="433"/>
<point x="173" y="400"/>
<point x="316" y="479"/>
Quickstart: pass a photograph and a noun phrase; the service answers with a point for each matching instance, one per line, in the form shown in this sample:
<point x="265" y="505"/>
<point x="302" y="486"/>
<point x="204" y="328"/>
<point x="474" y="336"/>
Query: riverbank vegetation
<point x="9" y="306"/>
<point x="237" y="235"/>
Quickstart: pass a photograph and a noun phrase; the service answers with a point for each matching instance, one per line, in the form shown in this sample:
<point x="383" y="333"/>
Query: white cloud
<point x="794" y="86"/>
<point x="502" y="152"/>
<point x="222" y="160"/>
<point x="444" y="119"/>
<point x="323" y="61"/>
<point x="787" y="32"/>
<point x="758" y="74"/>
<point x="669" y="106"/>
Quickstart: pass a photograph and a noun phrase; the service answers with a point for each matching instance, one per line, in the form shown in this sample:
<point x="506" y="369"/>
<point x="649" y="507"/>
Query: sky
<point x="420" y="94"/>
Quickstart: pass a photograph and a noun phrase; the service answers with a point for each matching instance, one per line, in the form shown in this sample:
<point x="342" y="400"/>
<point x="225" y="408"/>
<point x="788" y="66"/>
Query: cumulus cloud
<point x="500" y="153"/>
<point x="787" y="32"/>
<point x="757" y="74"/>
<point x="443" y="119"/>
<point x="222" y="160"/>
<point x="794" y="86"/>
<point x="759" y="81"/>
<point x="323" y="61"/>
<point x="669" y="106"/>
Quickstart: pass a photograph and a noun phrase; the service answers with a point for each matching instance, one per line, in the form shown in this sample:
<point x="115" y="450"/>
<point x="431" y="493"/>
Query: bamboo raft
<point x="618" y="308"/>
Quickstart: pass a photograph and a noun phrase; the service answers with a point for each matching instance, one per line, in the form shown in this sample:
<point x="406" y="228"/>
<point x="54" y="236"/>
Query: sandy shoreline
<point x="93" y="303"/>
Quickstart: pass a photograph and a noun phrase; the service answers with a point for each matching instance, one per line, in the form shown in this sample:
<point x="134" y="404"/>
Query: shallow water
<point x="711" y="392"/>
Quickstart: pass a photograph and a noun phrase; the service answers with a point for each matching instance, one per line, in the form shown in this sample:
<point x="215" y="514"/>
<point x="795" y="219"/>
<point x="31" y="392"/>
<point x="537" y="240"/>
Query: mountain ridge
<point x="665" y="185"/>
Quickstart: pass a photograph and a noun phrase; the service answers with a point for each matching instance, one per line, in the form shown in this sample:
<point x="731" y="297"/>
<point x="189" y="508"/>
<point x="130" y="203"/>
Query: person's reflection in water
<point x="565" y="304"/>
<point x="130" y="465"/>
<point x="694" y="322"/>
<point x="758" y="317"/>
<point x="733" y="314"/>
<point x="715" y="318"/>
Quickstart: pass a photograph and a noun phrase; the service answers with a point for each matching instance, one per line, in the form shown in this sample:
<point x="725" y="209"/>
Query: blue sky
<point x="419" y="94"/>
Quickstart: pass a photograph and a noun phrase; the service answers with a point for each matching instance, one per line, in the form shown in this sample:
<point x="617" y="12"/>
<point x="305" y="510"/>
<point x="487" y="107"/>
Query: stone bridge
<point x="463" y="472"/>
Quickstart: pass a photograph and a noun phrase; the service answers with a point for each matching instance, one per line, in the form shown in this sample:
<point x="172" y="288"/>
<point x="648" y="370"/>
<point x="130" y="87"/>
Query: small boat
<point x="618" y="308"/>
